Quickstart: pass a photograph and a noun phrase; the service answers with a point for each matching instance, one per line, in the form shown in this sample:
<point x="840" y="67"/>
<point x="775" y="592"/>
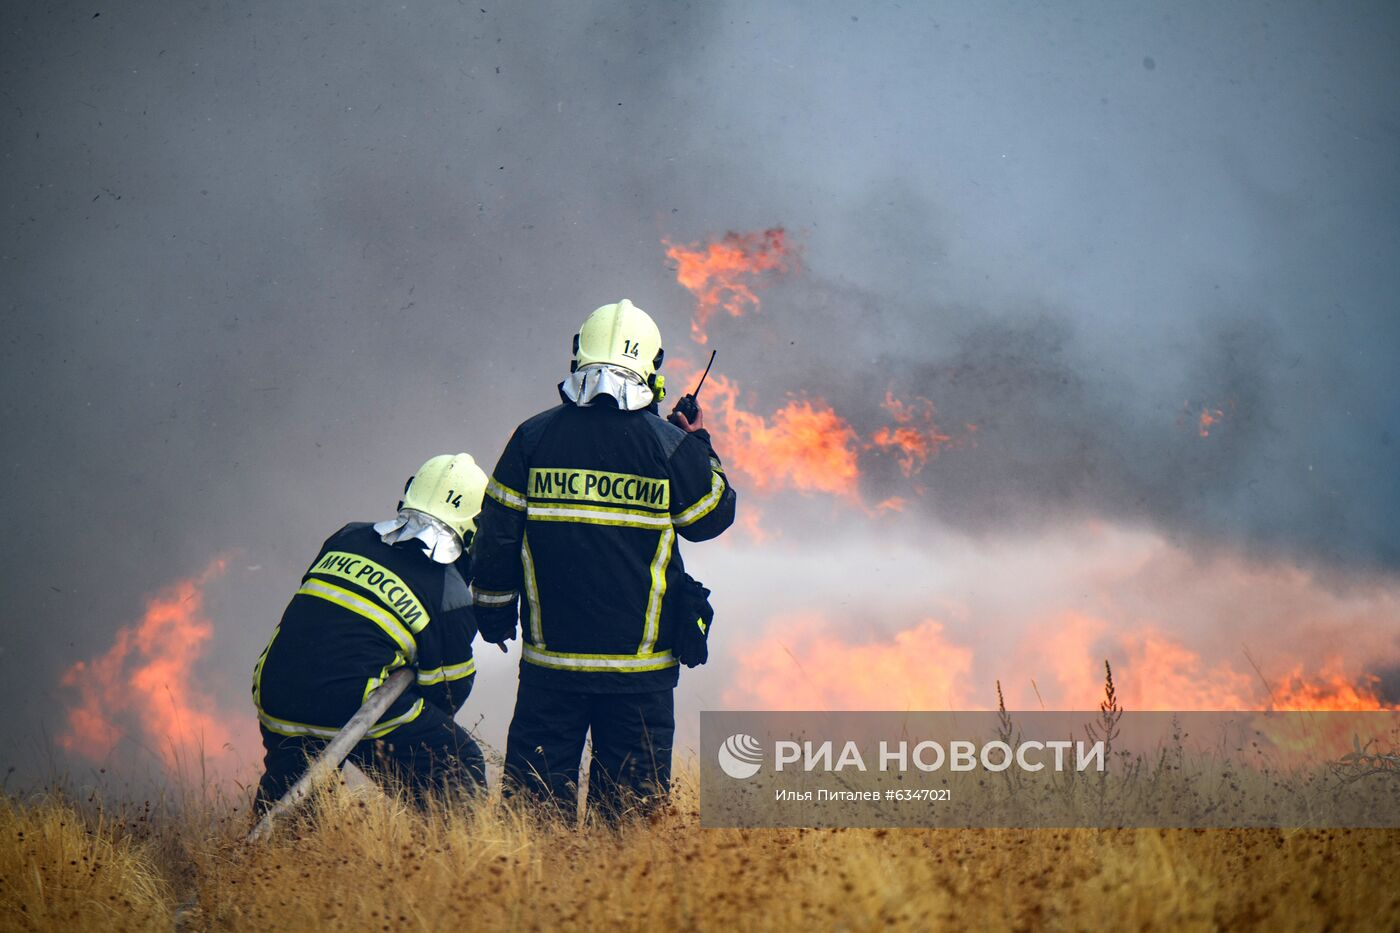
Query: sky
<point x="258" y="261"/>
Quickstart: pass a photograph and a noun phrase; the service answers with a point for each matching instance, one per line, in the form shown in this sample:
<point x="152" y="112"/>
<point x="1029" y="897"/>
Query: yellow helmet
<point x="449" y="488"/>
<point x="620" y="334"/>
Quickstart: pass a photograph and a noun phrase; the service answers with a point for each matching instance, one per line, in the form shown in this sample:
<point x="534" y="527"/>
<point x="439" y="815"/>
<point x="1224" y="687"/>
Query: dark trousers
<point x="430" y="752"/>
<point x="632" y="737"/>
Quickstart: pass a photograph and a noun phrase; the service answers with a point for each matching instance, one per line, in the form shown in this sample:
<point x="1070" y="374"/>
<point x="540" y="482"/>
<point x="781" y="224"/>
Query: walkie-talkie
<point x="688" y="406"/>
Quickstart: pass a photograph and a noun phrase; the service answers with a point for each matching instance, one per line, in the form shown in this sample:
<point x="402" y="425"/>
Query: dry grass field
<point x="353" y="861"/>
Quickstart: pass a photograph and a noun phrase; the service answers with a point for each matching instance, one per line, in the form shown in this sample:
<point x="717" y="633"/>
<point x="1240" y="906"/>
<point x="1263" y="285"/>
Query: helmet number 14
<point x="630" y="348"/>
<point x="454" y="498"/>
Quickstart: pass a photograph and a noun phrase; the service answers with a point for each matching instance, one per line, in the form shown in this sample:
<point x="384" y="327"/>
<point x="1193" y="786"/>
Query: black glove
<point x="497" y="623"/>
<point x="691" y="618"/>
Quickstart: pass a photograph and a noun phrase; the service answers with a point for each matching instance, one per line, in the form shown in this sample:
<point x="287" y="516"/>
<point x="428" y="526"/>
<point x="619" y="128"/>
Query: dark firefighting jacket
<point x="365" y="609"/>
<point x="581" y="517"/>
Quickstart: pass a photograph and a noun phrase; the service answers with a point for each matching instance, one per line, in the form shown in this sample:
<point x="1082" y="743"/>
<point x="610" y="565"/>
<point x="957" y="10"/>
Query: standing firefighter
<point x="581" y="516"/>
<point x="378" y="598"/>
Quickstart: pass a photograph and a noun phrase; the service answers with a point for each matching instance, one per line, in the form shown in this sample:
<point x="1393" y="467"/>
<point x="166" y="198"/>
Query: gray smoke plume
<point x="260" y="260"/>
<point x="1063" y="430"/>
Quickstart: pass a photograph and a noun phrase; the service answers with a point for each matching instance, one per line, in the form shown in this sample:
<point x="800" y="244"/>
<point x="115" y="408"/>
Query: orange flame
<point x="911" y="444"/>
<point x="801" y="664"/>
<point x="804" y="446"/>
<point x="1159" y="673"/>
<point x="922" y="666"/>
<point x="1155" y="671"/>
<point x="148" y="677"/>
<point x="1177" y="678"/>
<point x="1205" y="420"/>
<point x="910" y="447"/>
<point x="808" y="447"/>
<point x="1330" y="689"/>
<point x="720" y="274"/>
<point x="1209" y="417"/>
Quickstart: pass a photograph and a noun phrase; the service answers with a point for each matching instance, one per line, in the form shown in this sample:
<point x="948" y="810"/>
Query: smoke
<point x="145" y="689"/>
<point x="1236" y="435"/>
<point x="259" y="261"/>
<point x="872" y="621"/>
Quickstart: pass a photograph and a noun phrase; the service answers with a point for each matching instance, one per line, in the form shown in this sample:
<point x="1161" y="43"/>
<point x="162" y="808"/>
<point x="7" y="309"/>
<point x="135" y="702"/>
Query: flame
<point x="1332" y="689"/>
<point x="720" y="274"/>
<point x="1160" y="673"/>
<point x="805" y="445"/>
<point x="1178" y="638"/>
<point x="912" y="444"/>
<point x="906" y="412"/>
<point x="148" y="678"/>
<point x="1057" y="658"/>
<point x="807" y="662"/>
<point x="1209" y="417"/>
<point x="1205" y="420"/>
<point x="801" y="664"/>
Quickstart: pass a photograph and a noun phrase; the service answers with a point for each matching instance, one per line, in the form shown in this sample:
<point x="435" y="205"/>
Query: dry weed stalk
<point x="1011" y="736"/>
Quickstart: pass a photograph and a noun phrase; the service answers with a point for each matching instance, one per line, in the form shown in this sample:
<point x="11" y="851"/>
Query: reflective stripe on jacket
<point x="580" y="521"/>
<point x="365" y="609"/>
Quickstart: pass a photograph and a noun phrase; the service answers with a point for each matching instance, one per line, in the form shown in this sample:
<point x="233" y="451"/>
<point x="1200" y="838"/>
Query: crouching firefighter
<point x="377" y="598"/>
<point x="581" y="518"/>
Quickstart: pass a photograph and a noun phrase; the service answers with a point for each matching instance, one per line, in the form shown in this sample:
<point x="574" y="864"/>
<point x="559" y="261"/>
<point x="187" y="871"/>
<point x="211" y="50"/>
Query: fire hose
<point x="337" y="748"/>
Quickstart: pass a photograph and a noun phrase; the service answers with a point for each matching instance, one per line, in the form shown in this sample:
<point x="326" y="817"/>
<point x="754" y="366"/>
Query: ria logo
<point x="741" y="756"/>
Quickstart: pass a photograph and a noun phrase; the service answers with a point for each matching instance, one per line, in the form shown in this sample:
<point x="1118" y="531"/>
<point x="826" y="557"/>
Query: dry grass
<point x="62" y="870"/>
<point x="368" y="863"/>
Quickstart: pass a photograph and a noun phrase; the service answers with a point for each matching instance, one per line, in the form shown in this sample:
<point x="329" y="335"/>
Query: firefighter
<point x="581" y="517"/>
<point x="377" y="598"/>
